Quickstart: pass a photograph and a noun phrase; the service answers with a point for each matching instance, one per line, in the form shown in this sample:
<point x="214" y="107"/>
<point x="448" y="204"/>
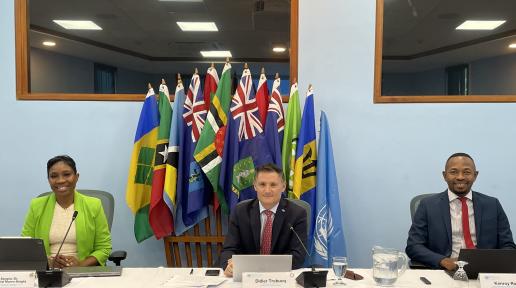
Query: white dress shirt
<point x="456" y="222"/>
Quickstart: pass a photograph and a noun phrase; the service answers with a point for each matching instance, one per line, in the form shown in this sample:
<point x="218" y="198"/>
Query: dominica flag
<point x="208" y="151"/>
<point x="211" y="81"/>
<point x="160" y="216"/>
<point x="305" y="167"/>
<point x="292" y="125"/>
<point x="141" y="168"/>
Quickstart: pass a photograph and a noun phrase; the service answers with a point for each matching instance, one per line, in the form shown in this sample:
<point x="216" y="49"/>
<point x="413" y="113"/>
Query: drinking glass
<point x="339" y="265"/>
<point x="460" y="276"/>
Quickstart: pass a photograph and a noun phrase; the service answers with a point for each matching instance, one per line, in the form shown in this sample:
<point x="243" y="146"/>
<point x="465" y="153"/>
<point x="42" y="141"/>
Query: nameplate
<point x="17" y="279"/>
<point x="497" y="280"/>
<point x="276" y="279"/>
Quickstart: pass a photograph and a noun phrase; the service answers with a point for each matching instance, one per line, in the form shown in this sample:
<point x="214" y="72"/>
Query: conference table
<point x="166" y="277"/>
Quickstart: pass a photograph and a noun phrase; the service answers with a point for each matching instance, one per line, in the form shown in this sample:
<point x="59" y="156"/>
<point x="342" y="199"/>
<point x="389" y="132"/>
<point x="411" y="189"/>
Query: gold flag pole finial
<point x="213" y="64"/>
<point x="276" y="76"/>
<point x="310" y="87"/>
<point x="246" y="66"/>
<point x="262" y="71"/>
<point x="163" y="81"/>
<point x="149" y="86"/>
<point x="227" y="60"/>
<point x="295" y="80"/>
<point x="179" y="81"/>
<point x="196" y="71"/>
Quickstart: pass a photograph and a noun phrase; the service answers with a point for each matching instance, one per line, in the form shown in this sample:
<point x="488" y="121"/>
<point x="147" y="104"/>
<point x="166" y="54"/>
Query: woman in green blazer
<point x="93" y="239"/>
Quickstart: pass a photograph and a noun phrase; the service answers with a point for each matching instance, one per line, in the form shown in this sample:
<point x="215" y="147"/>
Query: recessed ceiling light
<point x="480" y="25"/>
<point x="217" y="54"/>
<point x="78" y="24"/>
<point x="513" y="45"/>
<point x="49" y="43"/>
<point x="279" y="49"/>
<point x="198" y="26"/>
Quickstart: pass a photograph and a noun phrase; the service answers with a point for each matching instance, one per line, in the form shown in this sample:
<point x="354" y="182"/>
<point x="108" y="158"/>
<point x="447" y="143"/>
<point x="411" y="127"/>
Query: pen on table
<point x="191" y="271"/>
<point x="424" y="280"/>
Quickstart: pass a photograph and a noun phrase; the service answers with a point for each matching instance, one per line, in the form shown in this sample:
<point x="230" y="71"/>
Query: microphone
<point x="310" y="278"/>
<point x="64" y="238"/>
<point x="56" y="277"/>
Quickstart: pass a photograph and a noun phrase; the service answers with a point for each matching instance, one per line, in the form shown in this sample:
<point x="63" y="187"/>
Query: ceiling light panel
<point x="198" y="26"/>
<point x="49" y="43"/>
<point x="480" y="25"/>
<point x="216" y="54"/>
<point x="78" y="24"/>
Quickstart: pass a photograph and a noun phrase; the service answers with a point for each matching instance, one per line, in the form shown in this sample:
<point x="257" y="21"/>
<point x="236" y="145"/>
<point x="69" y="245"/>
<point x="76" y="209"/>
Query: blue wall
<point x="386" y="153"/>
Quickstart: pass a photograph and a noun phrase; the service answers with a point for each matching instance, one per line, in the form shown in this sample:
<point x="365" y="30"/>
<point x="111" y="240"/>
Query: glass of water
<point x="339" y="265"/>
<point x="460" y="276"/>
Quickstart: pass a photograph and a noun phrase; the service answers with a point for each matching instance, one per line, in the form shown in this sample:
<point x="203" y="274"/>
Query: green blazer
<point x="93" y="236"/>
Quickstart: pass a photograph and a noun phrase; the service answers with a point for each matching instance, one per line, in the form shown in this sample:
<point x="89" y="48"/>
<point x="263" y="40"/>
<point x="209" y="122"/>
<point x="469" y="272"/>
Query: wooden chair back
<point x="202" y="234"/>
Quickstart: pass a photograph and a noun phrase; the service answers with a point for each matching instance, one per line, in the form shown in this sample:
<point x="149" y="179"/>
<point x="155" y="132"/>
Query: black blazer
<point x="244" y="232"/>
<point x="430" y="238"/>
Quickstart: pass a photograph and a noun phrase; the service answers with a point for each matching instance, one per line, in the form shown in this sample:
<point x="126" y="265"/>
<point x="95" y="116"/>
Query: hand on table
<point x="448" y="263"/>
<point x="63" y="261"/>
<point x="228" y="272"/>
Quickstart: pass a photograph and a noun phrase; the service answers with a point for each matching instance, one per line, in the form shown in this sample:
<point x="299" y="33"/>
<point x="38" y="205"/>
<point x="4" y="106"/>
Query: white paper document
<point x="193" y="281"/>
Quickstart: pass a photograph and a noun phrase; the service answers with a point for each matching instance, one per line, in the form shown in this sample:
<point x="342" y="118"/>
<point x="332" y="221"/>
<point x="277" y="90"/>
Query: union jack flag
<point x="194" y="109"/>
<point x="276" y="105"/>
<point x="245" y="108"/>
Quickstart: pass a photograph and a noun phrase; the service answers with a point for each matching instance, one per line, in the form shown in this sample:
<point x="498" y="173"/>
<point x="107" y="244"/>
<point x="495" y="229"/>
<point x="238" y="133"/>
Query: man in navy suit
<point x="441" y="228"/>
<point x="251" y="219"/>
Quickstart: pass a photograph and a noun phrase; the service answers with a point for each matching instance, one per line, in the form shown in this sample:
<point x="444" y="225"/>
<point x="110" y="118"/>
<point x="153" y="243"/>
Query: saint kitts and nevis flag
<point x="209" y="148"/>
<point x="160" y="217"/>
<point x="305" y="166"/>
<point x="141" y="168"/>
<point x="292" y="126"/>
<point x="328" y="237"/>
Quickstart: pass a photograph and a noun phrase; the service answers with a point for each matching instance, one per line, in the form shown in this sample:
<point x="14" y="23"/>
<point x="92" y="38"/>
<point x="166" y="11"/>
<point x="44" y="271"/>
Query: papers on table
<point x="193" y="281"/>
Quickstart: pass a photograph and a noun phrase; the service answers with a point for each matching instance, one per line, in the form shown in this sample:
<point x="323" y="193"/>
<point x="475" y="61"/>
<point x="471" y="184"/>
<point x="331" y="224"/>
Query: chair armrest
<point x="117" y="257"/>
<point x="417" y="265"/>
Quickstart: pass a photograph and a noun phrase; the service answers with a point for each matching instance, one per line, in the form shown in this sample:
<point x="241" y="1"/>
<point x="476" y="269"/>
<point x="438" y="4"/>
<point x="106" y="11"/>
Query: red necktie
<point x="267" y="234"/>
<point x="465" y="223"/>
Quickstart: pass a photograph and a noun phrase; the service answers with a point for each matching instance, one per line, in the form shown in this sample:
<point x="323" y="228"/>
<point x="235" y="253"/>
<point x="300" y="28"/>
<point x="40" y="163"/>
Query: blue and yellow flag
<point x="305" y="166"/>
<point x="139" y="180"/>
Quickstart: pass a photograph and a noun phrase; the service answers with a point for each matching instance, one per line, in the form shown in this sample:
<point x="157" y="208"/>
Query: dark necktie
<point x="267" y="234"/>
<point x="465" y="224"/>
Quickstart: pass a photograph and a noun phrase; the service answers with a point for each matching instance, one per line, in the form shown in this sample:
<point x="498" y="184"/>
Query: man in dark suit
<point x="262" y="225"/>
<point x="457" y="218"/>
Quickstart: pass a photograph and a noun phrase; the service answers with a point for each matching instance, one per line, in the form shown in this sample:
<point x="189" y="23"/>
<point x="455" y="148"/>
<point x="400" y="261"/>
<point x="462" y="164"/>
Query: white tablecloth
<point x="157" y="277"/>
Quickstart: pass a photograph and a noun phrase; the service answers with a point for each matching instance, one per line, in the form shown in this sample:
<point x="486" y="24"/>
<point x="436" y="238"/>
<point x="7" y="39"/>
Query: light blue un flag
<point x="328" y="238"/>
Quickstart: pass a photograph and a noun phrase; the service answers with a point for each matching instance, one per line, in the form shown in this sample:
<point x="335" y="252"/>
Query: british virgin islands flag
<point x="139" y="180"/>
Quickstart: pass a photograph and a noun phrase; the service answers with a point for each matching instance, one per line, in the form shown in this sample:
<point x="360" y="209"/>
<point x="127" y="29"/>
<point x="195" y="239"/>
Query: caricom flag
<point x="139" y="179"/>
